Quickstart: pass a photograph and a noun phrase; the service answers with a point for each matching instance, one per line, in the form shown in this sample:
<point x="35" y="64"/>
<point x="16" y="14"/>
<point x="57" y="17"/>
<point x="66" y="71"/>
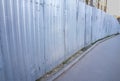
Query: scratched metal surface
<point x="37" y="35"/>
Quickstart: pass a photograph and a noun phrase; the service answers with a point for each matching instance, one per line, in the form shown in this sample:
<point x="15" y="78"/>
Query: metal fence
<point x="37" y="35"/>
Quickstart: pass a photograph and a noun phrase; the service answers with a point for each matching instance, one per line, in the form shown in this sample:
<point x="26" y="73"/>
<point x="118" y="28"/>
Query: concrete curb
<point x="77" y="59"/>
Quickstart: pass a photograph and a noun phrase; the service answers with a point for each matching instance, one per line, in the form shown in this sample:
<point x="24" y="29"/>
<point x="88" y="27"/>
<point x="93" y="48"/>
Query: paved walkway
<point x="101" y="64"/>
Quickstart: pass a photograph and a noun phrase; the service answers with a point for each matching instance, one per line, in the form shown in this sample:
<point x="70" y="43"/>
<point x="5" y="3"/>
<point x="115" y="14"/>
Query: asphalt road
<point x="101" y="64"/>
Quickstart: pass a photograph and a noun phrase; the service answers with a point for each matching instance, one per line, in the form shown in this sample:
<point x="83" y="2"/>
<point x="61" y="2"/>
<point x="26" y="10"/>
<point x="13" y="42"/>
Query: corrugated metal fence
<point x="37" y="35"/>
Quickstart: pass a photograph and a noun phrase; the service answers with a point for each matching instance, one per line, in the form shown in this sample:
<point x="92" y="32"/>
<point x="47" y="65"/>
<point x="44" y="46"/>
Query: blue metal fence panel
<point x="94" y="24"/>
<point x="98" y="24"/>
<point x="38" y="35"/>
<point x="54" y="36"/>
<point x="5" y="23"/>
<point x="2" y="76"/>
<point x="103" y="24"/>
<point x="70" y="27"/>
<point x="88" y="31"/>
<point x="81" y="25"/>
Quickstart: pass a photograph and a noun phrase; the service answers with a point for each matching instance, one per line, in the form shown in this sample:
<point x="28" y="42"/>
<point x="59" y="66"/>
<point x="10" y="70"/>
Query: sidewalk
<point x="101" y="64"/>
